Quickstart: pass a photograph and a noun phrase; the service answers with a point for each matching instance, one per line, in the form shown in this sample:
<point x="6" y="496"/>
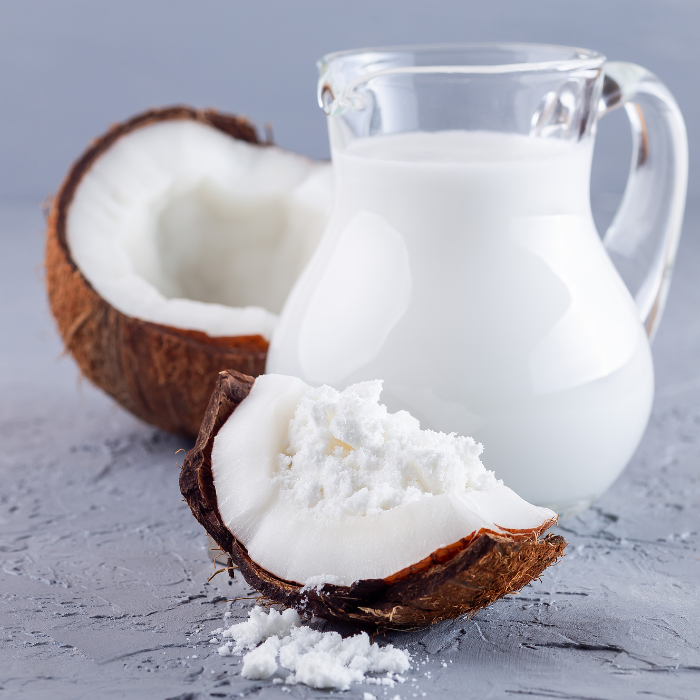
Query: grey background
<point x="70" y="68"/>
<point x="103" y="570"/>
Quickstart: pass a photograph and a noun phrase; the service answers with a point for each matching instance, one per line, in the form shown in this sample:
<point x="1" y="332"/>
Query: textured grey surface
<point x="103" y="570"/>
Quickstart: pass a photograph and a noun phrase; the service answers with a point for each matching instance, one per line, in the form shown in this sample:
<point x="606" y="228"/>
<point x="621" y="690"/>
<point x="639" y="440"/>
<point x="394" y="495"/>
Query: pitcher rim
<point x="578" y="57"/>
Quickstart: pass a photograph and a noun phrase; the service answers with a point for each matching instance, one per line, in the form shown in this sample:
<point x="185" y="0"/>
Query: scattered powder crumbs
<point x="317" y="582"/>
<point x="348" y="456"/>
<point x="316" y="659"/>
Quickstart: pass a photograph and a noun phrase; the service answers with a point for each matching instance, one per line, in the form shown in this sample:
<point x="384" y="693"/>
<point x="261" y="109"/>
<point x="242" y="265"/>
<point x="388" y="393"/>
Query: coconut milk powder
<point x="348" y="456"/>
<point x="317" y="659"/>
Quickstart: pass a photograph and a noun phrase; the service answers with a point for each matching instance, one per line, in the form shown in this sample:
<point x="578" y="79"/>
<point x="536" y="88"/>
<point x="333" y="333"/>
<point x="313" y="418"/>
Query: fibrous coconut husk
<point x="163" y="375"/>
<point x="455" y="580"/>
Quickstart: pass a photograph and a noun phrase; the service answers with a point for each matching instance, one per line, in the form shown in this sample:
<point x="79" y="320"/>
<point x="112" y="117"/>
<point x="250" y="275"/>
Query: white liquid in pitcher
<point x="464" y="269"/>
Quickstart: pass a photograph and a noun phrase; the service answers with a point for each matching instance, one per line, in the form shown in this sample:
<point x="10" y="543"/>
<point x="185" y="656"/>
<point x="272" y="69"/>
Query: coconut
<point x="410" y="581"/>
<point x="171" y="246"/>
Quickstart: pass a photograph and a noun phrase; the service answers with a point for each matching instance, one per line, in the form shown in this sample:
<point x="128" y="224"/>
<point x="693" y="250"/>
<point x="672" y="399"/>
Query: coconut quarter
<point x="388" y="567"/>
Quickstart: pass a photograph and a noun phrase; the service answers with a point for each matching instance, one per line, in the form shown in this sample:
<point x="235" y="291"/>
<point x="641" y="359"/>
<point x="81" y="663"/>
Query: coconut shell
<point x="455" y="580"/>
<point x="161" y="374"/>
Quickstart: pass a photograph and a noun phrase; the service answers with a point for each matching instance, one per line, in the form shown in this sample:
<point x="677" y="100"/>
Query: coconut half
<point x="171" y="247"/>
<point x="432" y="559"/>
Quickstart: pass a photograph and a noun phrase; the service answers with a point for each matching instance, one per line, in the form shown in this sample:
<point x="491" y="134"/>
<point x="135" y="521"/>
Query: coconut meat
<point x="326" y="485"/>
<point x="179" y="224"/>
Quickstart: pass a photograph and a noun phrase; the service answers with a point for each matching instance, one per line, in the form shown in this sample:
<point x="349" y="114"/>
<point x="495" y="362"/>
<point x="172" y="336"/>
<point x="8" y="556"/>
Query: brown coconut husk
<point x="161" y="374"/>
<point x="455" y="580"/>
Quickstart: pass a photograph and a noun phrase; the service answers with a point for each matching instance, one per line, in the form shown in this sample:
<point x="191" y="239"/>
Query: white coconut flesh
<point x="321" y="485"/>
<point x="179" y="224"/>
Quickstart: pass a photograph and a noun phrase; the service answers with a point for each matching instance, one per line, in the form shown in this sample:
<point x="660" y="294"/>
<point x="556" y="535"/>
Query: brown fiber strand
<point x="163" y="375"/>
<point x="455" y="580"/>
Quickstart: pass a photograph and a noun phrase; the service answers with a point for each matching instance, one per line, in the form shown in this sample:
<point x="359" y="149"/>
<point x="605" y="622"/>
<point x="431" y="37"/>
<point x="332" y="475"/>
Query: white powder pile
<point x="316" y="659"/>
<point x="348" y="456"/>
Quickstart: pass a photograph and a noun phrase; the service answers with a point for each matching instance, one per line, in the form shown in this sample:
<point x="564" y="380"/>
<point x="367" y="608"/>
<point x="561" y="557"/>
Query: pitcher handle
<point x="647" y="226"/>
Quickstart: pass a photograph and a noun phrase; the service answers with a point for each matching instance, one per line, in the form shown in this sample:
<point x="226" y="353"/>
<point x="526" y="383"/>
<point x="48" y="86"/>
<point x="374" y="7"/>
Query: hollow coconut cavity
<point x="171" y="247"/>
<point x="331" y="505"/>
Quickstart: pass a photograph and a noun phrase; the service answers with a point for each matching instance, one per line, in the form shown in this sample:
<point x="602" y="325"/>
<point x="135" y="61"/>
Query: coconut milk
<point x="464" y="269"/>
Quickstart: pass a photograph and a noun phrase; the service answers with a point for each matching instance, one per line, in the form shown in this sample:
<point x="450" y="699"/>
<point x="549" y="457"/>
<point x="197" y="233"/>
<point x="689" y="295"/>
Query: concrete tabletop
<point x="103" y="576"/>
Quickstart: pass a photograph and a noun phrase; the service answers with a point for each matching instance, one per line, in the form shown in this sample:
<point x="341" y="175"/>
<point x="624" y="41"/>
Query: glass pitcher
<point x="462" y="266"/>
